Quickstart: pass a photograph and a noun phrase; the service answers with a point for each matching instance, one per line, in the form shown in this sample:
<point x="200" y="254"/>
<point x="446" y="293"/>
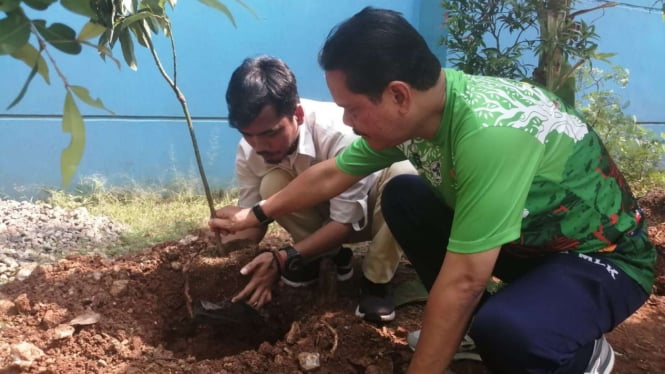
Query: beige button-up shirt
<point x="322" y="136"/>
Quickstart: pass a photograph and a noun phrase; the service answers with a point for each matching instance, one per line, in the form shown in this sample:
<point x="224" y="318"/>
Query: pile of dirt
<point x="132" y="315"/>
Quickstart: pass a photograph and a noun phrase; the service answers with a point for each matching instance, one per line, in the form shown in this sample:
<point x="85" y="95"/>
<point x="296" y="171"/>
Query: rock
<point x="89" y="317"/>
<point x="294" y="332"/>
<point x="51" y="319"/>
<point x="63" y="331"/>
<point x="309" y="361"/>
<point x="24" y="273"/>
<point x="118" y="287"/>
<point x="23" y="304"/>
<point x="24" y="354"/>
<point x="7" y="308"/>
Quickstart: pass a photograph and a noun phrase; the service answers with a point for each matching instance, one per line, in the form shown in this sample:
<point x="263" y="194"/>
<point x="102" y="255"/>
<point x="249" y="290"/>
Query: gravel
<point x="31" y="234"/>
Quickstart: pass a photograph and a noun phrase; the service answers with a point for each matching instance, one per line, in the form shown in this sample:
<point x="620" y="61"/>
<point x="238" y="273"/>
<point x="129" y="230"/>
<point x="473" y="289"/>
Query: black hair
<point x="256" y="83"/>
<point x="375" y="47"/>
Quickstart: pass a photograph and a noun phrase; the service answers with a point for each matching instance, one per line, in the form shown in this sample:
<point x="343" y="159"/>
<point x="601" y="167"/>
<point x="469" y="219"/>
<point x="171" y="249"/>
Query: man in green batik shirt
<point x="512" y="184"/>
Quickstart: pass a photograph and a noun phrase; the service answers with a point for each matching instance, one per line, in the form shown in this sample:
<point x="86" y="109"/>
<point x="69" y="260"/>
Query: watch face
<point x="294" y="263"/>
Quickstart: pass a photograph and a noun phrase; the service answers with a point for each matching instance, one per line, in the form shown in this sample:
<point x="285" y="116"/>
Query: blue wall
<point x="137" y="147"/>
<point x="636" y="33"/>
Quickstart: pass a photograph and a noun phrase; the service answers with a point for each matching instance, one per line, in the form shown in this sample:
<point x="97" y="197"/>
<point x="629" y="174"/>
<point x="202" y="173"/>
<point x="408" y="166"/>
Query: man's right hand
<point x="231" y="218"/>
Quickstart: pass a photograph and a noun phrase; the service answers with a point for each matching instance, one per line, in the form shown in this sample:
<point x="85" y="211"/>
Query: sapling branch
<point x="188" y="118"/>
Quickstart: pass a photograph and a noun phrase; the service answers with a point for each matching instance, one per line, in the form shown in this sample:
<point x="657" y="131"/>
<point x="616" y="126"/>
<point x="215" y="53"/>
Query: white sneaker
<point x="466" y="350"/>
<point x="602" y="358"/>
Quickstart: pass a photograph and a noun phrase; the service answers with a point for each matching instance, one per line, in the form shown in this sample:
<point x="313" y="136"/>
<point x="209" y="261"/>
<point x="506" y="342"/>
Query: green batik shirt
<point x="521" y="170"/>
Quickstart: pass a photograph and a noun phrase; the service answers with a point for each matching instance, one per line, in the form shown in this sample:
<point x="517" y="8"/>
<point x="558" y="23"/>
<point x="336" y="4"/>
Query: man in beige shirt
<point x="282" y="137"/>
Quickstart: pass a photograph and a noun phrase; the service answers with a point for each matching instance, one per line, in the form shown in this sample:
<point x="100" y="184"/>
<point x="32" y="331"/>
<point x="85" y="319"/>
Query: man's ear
<point x="300" y="114"/>
<point x="399" y="93"/>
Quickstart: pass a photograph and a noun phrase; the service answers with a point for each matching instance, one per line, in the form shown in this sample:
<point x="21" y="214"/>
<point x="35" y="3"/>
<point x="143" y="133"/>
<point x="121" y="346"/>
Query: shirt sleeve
<point x="248" y="182"/>
<point x="494" y="169"/>
<point x="359" y="159"/>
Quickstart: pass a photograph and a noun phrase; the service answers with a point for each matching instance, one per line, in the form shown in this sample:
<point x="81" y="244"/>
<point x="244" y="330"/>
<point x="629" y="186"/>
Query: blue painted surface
<point x="209" y="48"/>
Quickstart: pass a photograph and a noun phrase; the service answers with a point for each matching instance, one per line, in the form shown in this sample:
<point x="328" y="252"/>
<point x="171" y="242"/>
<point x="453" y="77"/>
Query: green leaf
<point x="38" y="4"/>
<point x="79" y="7"/>
<point x="215" y="4"/>
<point x="90" y="30"/>
<point x="603" y="56"/>
<point x="24" y="89"/>
<point x="14" y="32"/>
<point x="136" y="17"/>
<point x="9" y="5"/>
<point x="84" y="95"/>
<point x="72" y="122"/>
<point x="30" y="56"/>
<point x="154" y="25"/>
<point x="127" y="45"/>
<point x="141" y="32"/>
<point x="60" y="36"/>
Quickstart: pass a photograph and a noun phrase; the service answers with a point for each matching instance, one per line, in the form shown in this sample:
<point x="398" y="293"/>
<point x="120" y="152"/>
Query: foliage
<point x="637" y="151"/>
<point x="493" y="37"/>
<point x="112" y="21"/>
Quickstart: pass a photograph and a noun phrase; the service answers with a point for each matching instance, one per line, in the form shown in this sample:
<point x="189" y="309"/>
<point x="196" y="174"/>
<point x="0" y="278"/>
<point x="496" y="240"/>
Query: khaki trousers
<point x="384" y="254"/>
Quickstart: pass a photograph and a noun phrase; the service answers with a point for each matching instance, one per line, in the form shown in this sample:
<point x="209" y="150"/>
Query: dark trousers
<point x="546" y="318"/>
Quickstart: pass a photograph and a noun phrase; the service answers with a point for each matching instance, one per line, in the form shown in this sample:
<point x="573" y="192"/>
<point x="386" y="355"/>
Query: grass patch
<point x="153" y="215"/>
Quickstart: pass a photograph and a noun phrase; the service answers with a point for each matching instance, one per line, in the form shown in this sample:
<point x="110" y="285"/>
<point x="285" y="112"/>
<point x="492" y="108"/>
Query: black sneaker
<point x="376" y="302"/>
<point x="303" y="277"/>
<point x="344" y="262"/>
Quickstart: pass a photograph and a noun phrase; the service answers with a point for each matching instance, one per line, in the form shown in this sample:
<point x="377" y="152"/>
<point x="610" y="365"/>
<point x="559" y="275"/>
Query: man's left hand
<point x="265" y="273"/>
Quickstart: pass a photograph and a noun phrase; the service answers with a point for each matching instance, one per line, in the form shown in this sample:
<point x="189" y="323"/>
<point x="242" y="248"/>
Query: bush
<point x="637" y="151"/>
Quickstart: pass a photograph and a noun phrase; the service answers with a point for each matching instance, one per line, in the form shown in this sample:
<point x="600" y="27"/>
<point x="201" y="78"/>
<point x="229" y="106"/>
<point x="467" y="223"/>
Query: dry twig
<point x="335" y="337"/>
<point x="185" y="272"/>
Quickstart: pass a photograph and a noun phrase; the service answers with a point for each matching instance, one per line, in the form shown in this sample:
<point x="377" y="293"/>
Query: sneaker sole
<point x="345" y="276"/>
<point x="298" y="284"/>
<point x="382" y="318"/>
<point x="599" y="366"/>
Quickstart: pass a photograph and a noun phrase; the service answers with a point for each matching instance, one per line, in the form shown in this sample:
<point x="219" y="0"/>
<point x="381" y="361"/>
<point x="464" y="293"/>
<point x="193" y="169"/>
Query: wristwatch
<point x="294" y="260"/>
<point x="260" y="214"/>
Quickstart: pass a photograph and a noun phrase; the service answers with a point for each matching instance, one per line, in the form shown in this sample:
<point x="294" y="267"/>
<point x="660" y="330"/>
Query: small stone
<point x="118" y="287"/>
<point x="25" y="353"/>
<point x="24" y="273"/>
<point x="294" y="332"/>
<point x="7" y="308"/>
<point x="309" y="361"/>
<point x="51" y="319"/>
<point x="23" y="304"/>
<point x="176" y="265"/>
<point x="63" y="331"/>
<point x="89" y="317"/>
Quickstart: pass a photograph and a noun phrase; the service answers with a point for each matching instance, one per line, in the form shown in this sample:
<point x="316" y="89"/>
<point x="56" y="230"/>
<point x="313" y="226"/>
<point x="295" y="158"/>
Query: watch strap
<point x="260" y="214"/>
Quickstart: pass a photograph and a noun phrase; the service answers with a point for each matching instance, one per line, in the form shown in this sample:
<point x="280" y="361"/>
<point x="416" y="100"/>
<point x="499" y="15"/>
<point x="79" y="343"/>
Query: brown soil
<point x="144" y="324"/>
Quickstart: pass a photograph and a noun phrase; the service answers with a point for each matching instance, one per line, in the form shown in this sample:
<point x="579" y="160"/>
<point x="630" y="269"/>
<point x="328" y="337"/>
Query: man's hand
<point x="265" y="273"/>
<point x="230" y="219"/>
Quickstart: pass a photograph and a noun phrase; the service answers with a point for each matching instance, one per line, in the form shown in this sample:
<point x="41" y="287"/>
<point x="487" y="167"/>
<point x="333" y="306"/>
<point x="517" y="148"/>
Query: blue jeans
<point x="546" y="318"/>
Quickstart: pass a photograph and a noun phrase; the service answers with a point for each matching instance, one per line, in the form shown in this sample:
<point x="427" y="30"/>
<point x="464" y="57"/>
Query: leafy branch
<point x="477" y="29"/>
